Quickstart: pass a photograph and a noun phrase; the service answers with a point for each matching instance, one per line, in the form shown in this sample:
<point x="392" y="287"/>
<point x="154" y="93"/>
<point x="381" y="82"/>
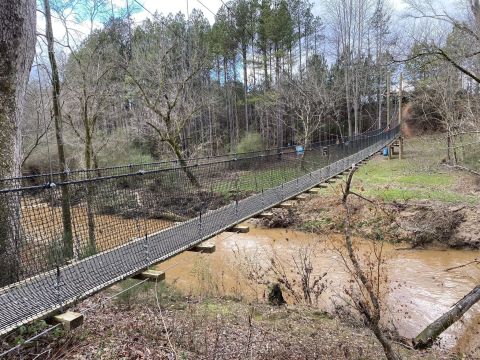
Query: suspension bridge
<point x="67" y="236"/>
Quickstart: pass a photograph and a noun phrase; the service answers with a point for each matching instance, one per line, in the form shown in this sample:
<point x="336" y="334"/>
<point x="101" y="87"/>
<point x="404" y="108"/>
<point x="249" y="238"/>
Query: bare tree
<point x="380" y="27"/>
<point x="306" y="100"/>
<point x="17" y="44"/>
<point x="35" y="127"/>
<point x="58" y="120"/>
<point x="368" y="301"/>
<point x="164" y="74"/>
<point x="349" y="21"/>
<point x="460" y="54"/>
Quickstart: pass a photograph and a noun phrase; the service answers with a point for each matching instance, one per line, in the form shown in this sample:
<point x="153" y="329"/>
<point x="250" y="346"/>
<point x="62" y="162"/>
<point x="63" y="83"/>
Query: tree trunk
<point x="57" y="114"/>
<point x="280" y="114"/>
<point x="379" y="95"/>
<point x="253" y="64"/>
<point x="371" y="313"/>
<point x="265" y="67"/>
<point x="356" y="101"/>
<point x="17" y="46"/>
<point x="347" y="97"/>
<point x="245" y="84"/>
<point x="299" y="46"/>
<point x="449" y="147"/>
<point x="427" y="337"/>
<point x="88" y="154"/>
<point x="183" y="164"/>
<point x="210" y="131"/>
<point x="218" y="70"/>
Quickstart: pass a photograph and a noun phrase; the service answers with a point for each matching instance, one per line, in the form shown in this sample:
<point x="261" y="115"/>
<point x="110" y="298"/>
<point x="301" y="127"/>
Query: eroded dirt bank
<point x="420" y="223"/>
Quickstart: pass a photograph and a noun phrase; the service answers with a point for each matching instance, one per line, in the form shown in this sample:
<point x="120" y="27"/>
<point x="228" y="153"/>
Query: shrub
<point x="124" y="149"/>
<point x="250" y="142"/>
<point x="120" y="202"/>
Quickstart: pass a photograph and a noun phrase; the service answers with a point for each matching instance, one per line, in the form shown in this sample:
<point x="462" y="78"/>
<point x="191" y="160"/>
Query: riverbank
<point x="215" y="305"/>
<point x="418" y="200"/>
<point x="160" y="323"/>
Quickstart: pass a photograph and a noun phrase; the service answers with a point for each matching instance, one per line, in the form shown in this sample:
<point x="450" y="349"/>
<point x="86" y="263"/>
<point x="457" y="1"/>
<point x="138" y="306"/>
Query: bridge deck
<point x="46" y="293"/>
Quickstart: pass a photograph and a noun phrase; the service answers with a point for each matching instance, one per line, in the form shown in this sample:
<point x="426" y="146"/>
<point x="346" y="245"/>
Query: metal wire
<point x="33" y="338"/>
<point x="123" y="223"/>
<point x="172" y="163"/>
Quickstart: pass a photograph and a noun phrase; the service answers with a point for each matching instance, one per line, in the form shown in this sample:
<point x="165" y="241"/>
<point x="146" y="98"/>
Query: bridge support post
<point x="243" y="229"/>
<point x="206" y="247"/>
<point x="265" y="215"/>
<point x="301" y="197"/>
<point x="285" y="205"/>
<point x="150" y="275"/>
<point x="70" y="320"/>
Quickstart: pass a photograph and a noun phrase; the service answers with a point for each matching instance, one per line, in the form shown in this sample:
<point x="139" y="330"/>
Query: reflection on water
<point x="419" y="288"/>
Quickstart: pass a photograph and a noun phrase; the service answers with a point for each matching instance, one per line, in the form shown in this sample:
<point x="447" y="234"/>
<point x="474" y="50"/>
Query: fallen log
<point x="432" y="332"/>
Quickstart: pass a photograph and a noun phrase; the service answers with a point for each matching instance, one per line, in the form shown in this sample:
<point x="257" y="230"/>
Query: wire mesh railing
<point x="61" y="241"/>
<point x="82" y="174"/>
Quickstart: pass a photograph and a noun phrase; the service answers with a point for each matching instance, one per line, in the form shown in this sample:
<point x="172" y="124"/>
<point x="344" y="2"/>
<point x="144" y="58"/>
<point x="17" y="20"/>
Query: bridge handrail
<point x="196" y="160"/>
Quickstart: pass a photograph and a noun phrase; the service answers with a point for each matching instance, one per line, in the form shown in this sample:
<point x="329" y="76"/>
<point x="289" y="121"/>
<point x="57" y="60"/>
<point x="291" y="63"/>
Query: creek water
<point x="417" y="288"/>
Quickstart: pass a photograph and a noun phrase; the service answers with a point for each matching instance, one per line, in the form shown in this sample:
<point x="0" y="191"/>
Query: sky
<point x="174" y="6"/>
<point x="208" y="8"/>
<point x="82" y="28"/>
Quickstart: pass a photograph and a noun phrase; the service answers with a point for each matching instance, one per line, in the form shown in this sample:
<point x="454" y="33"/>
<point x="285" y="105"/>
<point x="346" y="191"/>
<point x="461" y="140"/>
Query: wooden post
<point x="206" y="247"/>
<point x="243" y="229"/>
<point x="400" y="95"/>
<point x="301" y="197"/>
<point x="150" y="275"/>
<point x="388" y="100"/>
<point x="69" y="320"/>
<point x="285" y="205"/>
<point x="265" y="215"/>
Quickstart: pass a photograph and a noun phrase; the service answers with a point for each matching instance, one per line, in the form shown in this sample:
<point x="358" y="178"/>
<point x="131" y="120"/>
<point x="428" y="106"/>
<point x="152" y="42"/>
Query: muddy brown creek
<point x="418" y="288"/>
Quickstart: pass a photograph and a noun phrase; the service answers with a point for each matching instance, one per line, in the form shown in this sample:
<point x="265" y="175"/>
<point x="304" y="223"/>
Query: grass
<point x="471" y="157"/>
<point x="256" y="181"/>
<point x="222" y="308"/>
<point x="419" y="176"/>
<point x="407" y="194"/>
<point x="468" y="150"/>
<point x="145" y="293"/>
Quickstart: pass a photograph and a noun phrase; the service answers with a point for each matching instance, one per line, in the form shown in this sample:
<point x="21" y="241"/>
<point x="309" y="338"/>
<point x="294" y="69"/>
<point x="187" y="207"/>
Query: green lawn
<point x="258" y="180"/>
<point x="420" y="175"/>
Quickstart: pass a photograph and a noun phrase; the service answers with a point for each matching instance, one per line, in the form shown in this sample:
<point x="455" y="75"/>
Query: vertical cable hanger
<point x="51" y="185"/>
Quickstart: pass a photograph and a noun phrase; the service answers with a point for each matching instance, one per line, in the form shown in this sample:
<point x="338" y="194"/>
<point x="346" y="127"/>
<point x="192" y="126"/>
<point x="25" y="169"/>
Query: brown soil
<point x="135" y="327"/>
<point x="417" y="222"/>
